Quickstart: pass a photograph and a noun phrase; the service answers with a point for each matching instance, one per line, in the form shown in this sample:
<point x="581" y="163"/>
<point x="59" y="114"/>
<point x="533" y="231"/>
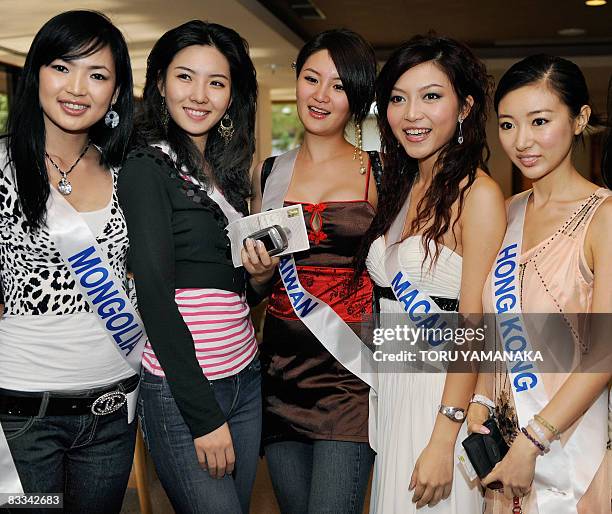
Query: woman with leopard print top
<point x="56" y="358"/>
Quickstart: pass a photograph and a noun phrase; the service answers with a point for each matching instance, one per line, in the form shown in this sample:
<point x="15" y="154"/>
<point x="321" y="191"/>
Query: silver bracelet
<point x="486" y="402"/>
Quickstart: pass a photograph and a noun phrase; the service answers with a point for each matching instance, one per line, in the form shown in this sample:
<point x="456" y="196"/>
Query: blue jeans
<point x="190" y="488"/>
<point x="86" y="457"/>
<point x="320" y="477"/>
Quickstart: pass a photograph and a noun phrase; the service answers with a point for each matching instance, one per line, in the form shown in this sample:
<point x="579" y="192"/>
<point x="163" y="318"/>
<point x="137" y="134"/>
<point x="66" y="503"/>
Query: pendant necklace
<point x="64" y="186"/>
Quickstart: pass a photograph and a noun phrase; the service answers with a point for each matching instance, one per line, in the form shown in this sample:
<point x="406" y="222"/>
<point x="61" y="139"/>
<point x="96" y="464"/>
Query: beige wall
<point x="263" y="125"/>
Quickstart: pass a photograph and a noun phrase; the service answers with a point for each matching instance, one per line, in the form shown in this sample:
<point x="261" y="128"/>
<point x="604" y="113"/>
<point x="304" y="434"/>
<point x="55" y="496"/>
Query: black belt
<point x="99" y="402"/>
<point x="446" y="304"/>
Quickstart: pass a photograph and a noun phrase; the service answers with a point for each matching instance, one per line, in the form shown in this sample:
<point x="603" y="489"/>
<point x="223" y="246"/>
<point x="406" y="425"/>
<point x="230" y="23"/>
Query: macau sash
<point x="418" y="305"/>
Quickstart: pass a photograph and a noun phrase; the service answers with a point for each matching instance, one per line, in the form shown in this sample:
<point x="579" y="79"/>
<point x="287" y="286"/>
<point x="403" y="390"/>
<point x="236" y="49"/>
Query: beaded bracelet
<point x="537" y="428"/>
<point x="552" y="429"/>
<point x="538" y="444"/>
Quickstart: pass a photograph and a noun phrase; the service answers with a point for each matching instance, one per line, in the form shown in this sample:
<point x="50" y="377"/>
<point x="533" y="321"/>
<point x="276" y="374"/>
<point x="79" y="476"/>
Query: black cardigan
<point x="177" y="240"/>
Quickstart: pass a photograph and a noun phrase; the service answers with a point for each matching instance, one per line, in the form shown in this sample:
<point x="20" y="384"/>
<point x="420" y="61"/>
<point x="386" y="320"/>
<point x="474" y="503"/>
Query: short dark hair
<point x="68" y="36"/>
<point x="230" y="163"/>
<point x="355" y="61"/>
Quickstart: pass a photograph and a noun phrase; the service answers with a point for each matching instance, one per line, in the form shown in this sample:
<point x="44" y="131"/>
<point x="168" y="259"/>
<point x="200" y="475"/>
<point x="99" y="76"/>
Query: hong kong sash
<point x="329" y="328"/>
<point x="563" y="475"/>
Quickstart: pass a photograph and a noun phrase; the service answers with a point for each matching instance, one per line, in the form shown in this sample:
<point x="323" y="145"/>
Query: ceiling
<point x="273" y="47"/>
<point x="500" y="32"/>
<point x="495" y="28"/>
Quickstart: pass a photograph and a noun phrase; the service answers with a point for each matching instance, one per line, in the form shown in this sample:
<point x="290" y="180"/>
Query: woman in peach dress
<point x="558" y="427"/>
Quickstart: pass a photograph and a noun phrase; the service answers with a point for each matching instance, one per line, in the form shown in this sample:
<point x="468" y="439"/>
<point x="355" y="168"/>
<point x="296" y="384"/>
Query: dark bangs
<point x="355" y="61"/>
<point x="68" y="36"/>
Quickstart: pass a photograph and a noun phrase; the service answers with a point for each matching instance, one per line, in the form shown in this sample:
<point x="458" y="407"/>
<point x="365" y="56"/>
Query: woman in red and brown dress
<point x="315" y="430"/>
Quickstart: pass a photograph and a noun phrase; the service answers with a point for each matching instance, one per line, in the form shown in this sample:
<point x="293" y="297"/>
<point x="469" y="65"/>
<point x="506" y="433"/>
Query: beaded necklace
<point x="582" y="212"/>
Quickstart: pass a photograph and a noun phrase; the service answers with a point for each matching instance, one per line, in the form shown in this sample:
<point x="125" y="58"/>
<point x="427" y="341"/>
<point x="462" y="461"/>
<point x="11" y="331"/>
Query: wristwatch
<point x="455" y="414"/>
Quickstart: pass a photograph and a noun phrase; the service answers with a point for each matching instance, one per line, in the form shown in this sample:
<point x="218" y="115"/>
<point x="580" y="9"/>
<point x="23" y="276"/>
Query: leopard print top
<point x="35" y="280"/>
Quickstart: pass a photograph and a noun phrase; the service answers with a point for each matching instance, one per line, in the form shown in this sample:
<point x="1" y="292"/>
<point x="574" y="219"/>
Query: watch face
<point x="459" y="415"/>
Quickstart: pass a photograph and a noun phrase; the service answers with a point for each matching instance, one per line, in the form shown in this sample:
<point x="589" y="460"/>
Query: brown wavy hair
<point x="456" y="162"/>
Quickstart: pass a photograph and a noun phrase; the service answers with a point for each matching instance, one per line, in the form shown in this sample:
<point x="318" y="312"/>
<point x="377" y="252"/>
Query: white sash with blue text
<point x="563" y="475"/>
<point x="101" y="288"/>
<point x="422" y="311"/>
<point x="106" y="296"/>
<point x="9" y="478"/>
<point x="329" y="328"/>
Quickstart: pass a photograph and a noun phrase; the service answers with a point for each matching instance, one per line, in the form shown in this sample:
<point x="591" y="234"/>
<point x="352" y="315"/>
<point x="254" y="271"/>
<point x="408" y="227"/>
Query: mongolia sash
<point x="104" y="293"/>
<point x="329" y="328"/>
<point x="101" y="288"/>
<point x="9" y="478"/>
<point x="563" y="475"/>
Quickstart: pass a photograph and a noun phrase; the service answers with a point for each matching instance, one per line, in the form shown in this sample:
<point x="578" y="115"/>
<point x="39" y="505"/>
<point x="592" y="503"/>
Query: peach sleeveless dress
<point x="554" y="278"/>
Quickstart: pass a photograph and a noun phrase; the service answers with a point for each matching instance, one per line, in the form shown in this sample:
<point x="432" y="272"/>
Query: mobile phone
<point x="274" y="239"/>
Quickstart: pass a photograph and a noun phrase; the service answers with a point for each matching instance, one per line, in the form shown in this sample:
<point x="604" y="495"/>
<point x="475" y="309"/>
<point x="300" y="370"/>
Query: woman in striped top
<point x="200" y="405"/>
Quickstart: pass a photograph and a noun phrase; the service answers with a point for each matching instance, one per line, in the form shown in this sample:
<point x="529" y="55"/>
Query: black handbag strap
<point x="266" y="169"/>
<point x="377" y="168"/>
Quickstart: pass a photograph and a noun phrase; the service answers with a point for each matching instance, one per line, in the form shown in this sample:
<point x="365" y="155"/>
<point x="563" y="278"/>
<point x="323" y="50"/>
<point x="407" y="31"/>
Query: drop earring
<point x="111" y="120"/>
<point x="460" y="138"/>
<point x="358" y="152"/>
<point x="226" y="131"/>
<point x="165" y="115"/>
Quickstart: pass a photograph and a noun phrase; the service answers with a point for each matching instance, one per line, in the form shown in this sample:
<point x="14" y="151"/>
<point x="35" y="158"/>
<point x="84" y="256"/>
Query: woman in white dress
<point x="432" y="99"/>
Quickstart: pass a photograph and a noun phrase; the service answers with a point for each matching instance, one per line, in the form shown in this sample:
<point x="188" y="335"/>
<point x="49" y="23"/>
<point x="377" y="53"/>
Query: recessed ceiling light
<point x="595" y="3"/>
<point x="574" y="31"/>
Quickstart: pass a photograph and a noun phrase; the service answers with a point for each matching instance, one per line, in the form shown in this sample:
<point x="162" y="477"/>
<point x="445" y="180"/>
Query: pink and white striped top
<point x="221" y="328"/>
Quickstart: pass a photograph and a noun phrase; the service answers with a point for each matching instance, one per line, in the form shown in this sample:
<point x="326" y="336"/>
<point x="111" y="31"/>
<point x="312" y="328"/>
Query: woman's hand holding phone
<point x="257" y="262"/>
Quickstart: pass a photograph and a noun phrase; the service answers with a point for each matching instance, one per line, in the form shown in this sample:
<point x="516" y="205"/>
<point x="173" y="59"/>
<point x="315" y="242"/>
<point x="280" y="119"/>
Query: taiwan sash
<point x="324" y="323"/>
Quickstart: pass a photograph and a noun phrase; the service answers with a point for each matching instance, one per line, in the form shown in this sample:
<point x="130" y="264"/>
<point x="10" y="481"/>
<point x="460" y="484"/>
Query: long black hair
<point x="355" y="61"/>
<point x="563" y="77"/>
<point x="68" y="36"/>
<point x="455" y="162"/>
<point x="229" y="163"/>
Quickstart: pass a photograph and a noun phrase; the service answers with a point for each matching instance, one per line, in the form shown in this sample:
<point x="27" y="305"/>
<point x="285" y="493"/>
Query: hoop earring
<point x="165" y="115"/>
<point x="358" y="152"/>
<point x="111" y="120"/>
<point x="226" y="131"/>
<point x="460" y="138"/>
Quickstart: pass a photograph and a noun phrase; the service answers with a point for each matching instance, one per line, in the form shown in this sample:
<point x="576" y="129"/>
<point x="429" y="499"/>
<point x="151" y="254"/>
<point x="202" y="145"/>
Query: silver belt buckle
<point x="108" y="403"/>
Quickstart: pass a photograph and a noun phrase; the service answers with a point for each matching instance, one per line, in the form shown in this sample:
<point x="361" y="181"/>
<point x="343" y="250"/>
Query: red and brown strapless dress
<point x="307" y="393"/>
